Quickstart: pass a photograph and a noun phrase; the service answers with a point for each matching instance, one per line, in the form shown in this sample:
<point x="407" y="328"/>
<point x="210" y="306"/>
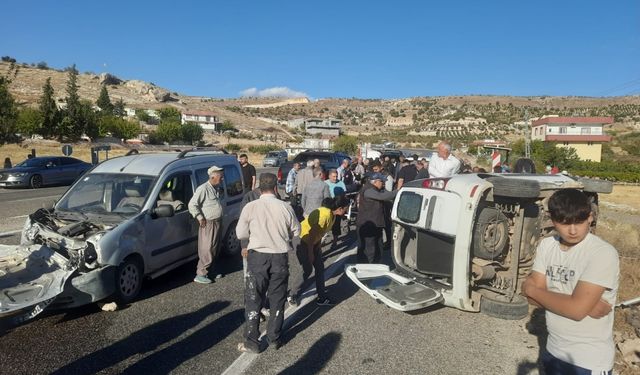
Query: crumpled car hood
<point x="30" y="279"/>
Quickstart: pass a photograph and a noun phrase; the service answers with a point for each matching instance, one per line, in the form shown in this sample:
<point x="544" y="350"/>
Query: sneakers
<point x="293" y="301"/>
<point x="324" y="302"/>
<point x="202" y="279"/>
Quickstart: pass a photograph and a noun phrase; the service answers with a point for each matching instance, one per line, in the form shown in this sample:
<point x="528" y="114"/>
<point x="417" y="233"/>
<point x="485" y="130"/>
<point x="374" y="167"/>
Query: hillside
<point x="411" y="121"/>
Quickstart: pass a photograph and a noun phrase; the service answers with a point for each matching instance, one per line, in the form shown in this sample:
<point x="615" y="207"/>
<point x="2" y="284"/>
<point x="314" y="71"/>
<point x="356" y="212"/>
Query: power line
<point x="624" y="86"/>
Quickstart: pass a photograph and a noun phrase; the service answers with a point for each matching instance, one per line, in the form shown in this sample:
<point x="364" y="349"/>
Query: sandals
<point x="244" y="349"/>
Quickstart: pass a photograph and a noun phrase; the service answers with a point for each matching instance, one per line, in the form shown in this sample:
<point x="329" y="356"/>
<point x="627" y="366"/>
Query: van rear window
<point x="409" y="207"/>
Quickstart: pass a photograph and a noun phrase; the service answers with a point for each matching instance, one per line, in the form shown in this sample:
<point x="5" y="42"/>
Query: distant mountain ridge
<point x="360" y="116"/>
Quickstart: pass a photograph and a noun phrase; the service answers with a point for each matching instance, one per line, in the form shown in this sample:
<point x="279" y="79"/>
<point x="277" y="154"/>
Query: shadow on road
<point x="166" y="360"/>
<point x="310" y="313"/>
<point x="317" y="356"/>
<point x="150" y="338"/>
<point x="536" y="326"/>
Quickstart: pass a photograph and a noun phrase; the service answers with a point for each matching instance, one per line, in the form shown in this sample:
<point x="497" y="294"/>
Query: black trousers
<point x="370" y="243"/>
<point x="302" y="252"/>
<point x="266" y="272"/>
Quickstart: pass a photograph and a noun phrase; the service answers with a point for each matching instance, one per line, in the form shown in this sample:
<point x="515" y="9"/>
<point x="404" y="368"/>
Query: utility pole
<point x="527" y="136"/>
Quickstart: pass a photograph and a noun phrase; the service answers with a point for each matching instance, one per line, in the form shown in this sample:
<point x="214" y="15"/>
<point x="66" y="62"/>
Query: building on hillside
<point x="329" y="127"/>
<point x="308" y="144"/>
<point x="584" y="134"/>
<point x="207" y="120"/>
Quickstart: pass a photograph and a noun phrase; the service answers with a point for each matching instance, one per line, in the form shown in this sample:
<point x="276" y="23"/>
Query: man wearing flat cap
<point x="205" y="207"/>
<point x="371" y="218"/>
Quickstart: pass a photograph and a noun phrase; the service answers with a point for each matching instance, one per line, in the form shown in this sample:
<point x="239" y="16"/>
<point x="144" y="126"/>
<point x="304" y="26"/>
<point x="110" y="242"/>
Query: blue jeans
<point x="555" y="366"/>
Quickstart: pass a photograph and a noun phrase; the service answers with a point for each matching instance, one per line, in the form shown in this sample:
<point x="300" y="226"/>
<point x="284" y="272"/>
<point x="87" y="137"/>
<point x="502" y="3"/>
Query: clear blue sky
<point x="364" y="49"/>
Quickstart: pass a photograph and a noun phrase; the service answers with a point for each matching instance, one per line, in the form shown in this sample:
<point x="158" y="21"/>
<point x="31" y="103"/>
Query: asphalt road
<point x="181" y="327"/>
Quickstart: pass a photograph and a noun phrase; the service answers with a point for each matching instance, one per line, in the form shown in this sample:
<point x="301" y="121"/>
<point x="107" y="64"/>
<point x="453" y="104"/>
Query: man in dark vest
<point x="371" y="218"/>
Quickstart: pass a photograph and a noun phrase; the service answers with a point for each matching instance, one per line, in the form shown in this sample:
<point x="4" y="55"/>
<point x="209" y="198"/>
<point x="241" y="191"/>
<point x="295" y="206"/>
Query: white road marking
<point x="7" y="234"/>
<point x="242" y="363"/>
<point x="36" y="198"/>
<point x="18" y="217"/>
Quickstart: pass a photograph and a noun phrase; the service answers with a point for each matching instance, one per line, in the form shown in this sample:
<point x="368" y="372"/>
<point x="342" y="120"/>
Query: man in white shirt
<point x="445" y="164"/>
<point x="268" y="224"/>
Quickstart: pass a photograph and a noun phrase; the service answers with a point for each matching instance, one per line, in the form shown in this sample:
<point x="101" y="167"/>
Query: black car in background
<point x="328" y="160"/>
<point x="41" y="171"/>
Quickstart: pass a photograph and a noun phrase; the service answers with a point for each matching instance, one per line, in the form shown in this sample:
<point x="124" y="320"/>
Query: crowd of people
<point x="269" y="227"/>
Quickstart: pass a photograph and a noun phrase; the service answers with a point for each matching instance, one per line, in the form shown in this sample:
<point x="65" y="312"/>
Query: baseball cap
<point x="213" y="169"/>
<point x="378" y="176"/>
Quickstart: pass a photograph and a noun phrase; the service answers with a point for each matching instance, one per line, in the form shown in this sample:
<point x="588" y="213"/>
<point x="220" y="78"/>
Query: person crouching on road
<point x="269" y="224"/>
<point x="309" y="251"/>
<point x="205" y="207"/>
<point x="371" y="218"/>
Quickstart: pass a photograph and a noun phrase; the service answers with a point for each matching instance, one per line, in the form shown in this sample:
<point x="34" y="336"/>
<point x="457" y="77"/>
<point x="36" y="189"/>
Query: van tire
<point x="129" y="276"/>
<point x="596" y="186"/>
<point x="491" y="234"/>
<point x="514" y="187"/>
<point x="497" y="306"/>
<point x="231" y="244"/>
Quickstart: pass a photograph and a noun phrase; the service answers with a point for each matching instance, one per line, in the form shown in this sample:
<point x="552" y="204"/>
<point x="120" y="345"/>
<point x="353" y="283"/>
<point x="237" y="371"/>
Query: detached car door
<point x="424" y="213"/>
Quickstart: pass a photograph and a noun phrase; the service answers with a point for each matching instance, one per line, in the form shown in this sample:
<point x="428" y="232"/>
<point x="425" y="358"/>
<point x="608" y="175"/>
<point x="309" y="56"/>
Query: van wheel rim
<point x="129" y="279"/>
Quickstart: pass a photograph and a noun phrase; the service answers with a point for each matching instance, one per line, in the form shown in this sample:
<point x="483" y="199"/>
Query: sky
<point x="339" y="49"/>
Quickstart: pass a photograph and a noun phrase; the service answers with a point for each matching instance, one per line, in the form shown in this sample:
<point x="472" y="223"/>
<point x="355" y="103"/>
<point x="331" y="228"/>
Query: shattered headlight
<point x="30" y="232"/>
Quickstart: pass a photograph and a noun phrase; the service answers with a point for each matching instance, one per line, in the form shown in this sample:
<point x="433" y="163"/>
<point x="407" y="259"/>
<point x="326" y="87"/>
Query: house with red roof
<point x="584" y="134"/>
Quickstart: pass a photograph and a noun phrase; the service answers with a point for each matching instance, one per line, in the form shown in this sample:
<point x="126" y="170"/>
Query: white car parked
<point x="467" y="241"/>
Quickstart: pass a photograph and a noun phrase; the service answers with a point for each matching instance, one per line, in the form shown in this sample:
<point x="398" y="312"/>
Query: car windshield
<point x="272" y="155"/>
<point x="107" y="193"/>
<point x="32" y="163"/>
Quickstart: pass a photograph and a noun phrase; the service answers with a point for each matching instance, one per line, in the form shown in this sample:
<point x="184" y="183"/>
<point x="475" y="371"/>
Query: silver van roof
<point x="153" y="164"/>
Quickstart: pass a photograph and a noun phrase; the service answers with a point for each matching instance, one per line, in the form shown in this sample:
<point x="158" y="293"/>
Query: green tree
<point x="142" y="115"/>
<point x="8" y="107"/>
<point x="192" y="132"/>
<point x="169" y="114"/>
<point x="118" y="108"/>
<point x="346" y="144"/>
<point x="118" y="127"/>
<point x="87" y="121"/>
<point x="104" y="102"/>
<point x="29" y="121"/>
<point x="169" y="132"/>
<point x="73" y="124"/>
<point x="49" y="110"/>
<point x="227" y="125"/>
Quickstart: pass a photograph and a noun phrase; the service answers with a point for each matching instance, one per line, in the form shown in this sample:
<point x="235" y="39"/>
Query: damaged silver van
<point x="124" y="220"/>
<point x="467" y="241"/>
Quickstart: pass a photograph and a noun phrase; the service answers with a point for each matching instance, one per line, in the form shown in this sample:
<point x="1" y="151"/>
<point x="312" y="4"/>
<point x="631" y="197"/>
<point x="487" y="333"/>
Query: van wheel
<point x="128" y="280"/>
<point x="491" y="234"/>
<point x="514" y="187"/>
<point x="497" y="306"/>
<point x="596" y="186"/>
<point x="231" y="245"/>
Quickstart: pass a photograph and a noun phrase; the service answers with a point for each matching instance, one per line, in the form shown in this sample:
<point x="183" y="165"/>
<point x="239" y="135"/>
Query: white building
<point x="207" y="120"/>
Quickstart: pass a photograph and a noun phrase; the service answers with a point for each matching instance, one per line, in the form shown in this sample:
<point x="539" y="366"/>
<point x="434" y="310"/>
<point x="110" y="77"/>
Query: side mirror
<point x="164" y="210"/>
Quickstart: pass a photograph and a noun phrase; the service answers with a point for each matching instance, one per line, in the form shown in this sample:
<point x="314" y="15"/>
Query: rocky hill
<point x="408" y="120"/>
